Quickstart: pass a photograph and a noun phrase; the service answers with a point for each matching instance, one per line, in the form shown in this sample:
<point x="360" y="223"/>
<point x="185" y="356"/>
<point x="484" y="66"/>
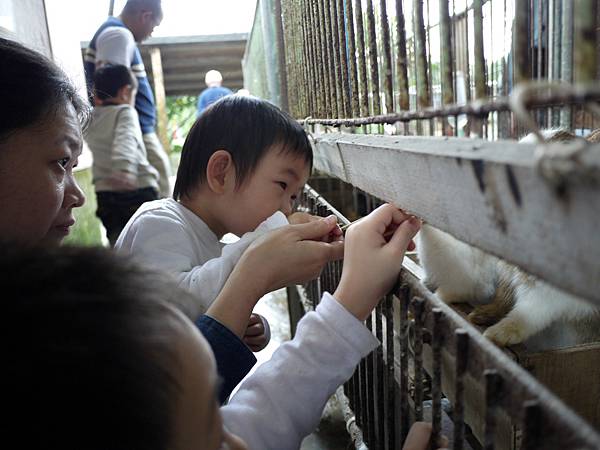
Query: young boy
<point x="101" y="362"/>
<point x="242" y="166"/>
<point x="123" y="177"/>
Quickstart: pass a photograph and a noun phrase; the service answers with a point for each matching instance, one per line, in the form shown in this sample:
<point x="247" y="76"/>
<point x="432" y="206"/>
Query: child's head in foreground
<point x="243" y="160"/>
<point x="94" y="358"/>
<point x="114" y="85"/>
<point x="40" y="141"/>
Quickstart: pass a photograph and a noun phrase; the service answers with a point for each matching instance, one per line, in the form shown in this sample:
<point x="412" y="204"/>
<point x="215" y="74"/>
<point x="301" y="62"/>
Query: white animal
<point x="522" y="305"/>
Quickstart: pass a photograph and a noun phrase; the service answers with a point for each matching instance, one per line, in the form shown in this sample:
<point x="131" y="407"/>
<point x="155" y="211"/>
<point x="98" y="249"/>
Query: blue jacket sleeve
<point x="234" y="359"/>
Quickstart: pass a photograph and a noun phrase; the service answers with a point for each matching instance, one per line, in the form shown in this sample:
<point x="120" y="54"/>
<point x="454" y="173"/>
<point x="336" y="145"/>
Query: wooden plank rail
<point x="488" y="194"/>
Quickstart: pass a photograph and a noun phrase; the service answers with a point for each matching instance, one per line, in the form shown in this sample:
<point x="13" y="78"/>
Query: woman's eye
<point x="282" y="184"/>
<point x="64" y="161"/>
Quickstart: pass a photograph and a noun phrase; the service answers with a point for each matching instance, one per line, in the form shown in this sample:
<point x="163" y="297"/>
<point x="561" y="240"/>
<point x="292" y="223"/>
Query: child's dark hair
<point x="87" y="351"/>
<point x="110" y="78"/>
<point x="247" y="128"/>
<point x="32" y="87"/>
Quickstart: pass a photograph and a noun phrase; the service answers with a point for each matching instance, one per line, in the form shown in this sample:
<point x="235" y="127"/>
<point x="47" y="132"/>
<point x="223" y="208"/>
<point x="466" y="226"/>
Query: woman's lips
<point x="63" y="228"/>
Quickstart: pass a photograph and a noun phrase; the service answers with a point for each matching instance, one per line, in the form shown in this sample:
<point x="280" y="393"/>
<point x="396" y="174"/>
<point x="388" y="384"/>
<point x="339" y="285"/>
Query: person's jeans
<point x="116" y="208"/>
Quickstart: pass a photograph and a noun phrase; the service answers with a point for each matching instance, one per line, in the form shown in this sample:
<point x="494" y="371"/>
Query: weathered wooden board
<point x="488" y="194"/>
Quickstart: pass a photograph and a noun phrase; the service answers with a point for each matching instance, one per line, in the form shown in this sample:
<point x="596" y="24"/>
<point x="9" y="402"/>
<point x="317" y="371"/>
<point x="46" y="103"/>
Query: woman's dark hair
<point x="87" y="351"/>
<point x="31" y="88"/>
<point x="110" y="78"/>
<point x="247" y="128"/>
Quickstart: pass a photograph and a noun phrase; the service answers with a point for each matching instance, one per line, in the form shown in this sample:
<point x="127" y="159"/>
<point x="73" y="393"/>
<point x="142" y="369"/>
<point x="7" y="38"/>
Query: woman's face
<point x="37" y="187"/>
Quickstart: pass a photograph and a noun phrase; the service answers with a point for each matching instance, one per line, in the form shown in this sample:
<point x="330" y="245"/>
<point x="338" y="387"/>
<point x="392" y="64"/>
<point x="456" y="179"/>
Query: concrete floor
<point x="331" y="433"/>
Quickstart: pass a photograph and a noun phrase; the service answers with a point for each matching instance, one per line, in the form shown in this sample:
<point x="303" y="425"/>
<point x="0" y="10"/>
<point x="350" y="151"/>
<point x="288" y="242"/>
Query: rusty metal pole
<point x="331" y="57"/>
<point x="300" y="58"/>
<point x="403" y="295"/>
<point x="362" y="65"/>
<point x="337" y="58"/>
<point x="284" y="103"/>
<point x="401" y="59"/>
<point x="317" y="9"/>
<point x="373" y="58"/>
<point x="423" y="99"/>
<point x="318" y="60"/>
<point x="343" y="49"/>
<point x="316" y="68"/>
<point x="387" y="58"/>
<point x="479" y="60"/>
<point x="521" y="60"/>
<point x="351" y="39"/>
<point x="287" y="42"/>
<point x="555" y="53"/>
<point x="446" y="54"/>
<point x="307" y="67"/>
<point x="436" y="382"/>
<point x="566" y="58"/>
<point x="584" y="57"/>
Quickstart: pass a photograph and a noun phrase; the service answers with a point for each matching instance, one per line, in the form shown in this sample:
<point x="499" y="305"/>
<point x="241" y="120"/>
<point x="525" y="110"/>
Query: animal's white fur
<point x="462" y="273"/>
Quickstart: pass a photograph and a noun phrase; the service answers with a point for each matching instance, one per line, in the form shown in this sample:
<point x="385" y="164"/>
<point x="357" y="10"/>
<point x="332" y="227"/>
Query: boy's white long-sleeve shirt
<point x="167" y="236"/>
<point x="282" y="402"/>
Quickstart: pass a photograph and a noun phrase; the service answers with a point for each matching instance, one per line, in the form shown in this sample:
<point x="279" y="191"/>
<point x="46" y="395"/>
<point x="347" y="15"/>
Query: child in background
<point x="242" y="166"/>
<point x="40" y="141"/>
<point x="123" y="177"/>
<point x="106" y="364"/>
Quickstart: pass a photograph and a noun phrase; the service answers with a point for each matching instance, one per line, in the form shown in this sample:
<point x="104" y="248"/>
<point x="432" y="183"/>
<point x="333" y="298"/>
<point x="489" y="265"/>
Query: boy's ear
<point x="124" y="93"/>
<point x="220" y="172"/>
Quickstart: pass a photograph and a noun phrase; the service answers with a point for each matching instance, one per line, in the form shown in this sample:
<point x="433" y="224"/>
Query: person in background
<point x="123" y="177"/>
<point x="115" y="43"/>
<point x="213" y="92"/>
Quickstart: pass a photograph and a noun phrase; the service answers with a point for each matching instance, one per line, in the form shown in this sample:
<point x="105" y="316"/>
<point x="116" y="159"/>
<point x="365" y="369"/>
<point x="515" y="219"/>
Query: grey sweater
<point x="115" y="139"/>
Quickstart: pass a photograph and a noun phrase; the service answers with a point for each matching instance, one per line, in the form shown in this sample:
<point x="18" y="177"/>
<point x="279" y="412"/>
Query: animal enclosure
<point x="420" y="103"/>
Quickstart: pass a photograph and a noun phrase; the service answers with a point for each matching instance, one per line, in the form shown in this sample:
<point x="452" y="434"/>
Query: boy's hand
<point x="289" y="255"/>
<point x="373" y="258"/>
<point x="258" y="333"/>
<point x="419" y="436"/>
<point x="292" y="254"/>
<point x="302" y="217"/>
<point x="123" y="181"/>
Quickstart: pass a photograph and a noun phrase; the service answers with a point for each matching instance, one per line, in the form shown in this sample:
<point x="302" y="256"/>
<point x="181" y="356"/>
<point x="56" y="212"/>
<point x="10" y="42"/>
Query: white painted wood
<point x="463" y="186"/>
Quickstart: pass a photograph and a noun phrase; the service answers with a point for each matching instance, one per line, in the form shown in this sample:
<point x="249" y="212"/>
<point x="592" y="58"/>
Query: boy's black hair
<point x="247" y="128"/>
<point x="87" y="352"/>
<point x="110" y="78"/>
<point x="31" y="88"/>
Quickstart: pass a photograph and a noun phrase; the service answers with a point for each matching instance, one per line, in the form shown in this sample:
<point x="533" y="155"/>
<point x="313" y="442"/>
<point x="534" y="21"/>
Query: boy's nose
<point x="286" y="208"/>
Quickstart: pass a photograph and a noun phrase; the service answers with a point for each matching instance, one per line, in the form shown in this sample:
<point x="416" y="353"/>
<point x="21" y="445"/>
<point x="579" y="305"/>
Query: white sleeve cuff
<point x="277" y="220"/>
<point x="348" y="327"/>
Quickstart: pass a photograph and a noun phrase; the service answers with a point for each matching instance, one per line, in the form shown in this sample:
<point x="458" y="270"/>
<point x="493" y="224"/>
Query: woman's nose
<point x="74" y="196"/>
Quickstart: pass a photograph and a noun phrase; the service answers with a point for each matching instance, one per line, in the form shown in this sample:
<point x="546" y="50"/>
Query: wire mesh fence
<point x="434" y="365"/>
<point x="488" y="69"/>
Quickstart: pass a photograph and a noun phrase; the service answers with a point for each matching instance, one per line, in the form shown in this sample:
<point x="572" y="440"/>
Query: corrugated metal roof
<point x="186" y="59"/>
